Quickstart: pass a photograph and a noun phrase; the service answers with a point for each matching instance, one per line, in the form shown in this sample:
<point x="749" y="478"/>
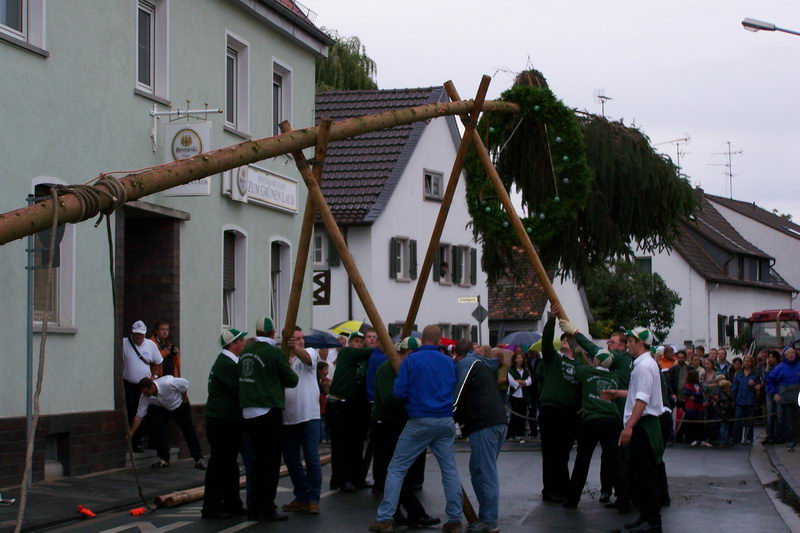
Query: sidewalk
<point x="55" y="502"/>
<point x="787" y="465"/>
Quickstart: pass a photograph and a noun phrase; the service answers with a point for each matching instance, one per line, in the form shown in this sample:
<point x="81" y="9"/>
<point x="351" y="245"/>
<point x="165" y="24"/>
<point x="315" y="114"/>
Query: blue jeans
<point x="743" y="411"/>
<point x="419" y="433"/>
<point x="485" y="445"/>
<point x="303" y="436"/>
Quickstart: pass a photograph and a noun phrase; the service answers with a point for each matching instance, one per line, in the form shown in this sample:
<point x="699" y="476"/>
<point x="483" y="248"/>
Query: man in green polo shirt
<point x="264" y="371"/>
<point x="224" y="429"/>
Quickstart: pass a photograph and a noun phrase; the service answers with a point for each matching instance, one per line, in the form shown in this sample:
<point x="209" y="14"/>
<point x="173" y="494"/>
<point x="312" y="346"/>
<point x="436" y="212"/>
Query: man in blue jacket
<point x="426" y="380"/>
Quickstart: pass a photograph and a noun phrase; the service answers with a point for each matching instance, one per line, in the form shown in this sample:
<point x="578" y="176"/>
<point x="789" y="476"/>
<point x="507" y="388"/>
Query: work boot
<point x="382" y="526"/>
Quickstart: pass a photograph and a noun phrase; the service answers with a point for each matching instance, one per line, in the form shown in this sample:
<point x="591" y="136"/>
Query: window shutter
<point x="437" y="264"/>
<point x="474" y="333"/>
<point x="412" y="252"/>
<point x="473" y="266"/>
<point x="229" y="262"/>
<point x="393" y="258"/>
<point x="456" y="267"/>
<point x="333" y="254"/>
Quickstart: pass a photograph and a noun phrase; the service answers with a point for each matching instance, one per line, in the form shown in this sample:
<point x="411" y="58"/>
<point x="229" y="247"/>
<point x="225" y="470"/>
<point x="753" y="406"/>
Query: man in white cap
<point x="141" y="359"/>
<point x="642" y="431"/>
<point x="224" y="429"/>
<point x="265" y="330"/>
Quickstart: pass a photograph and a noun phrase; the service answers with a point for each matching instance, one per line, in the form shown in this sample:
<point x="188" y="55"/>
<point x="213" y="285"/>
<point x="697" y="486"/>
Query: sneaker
<point x="694" y="444"/>
<point x="200" y="464"/>
<point x="295" y="506"/>
<point x="160" y="464"/>
<point x="382" y="526"/>
<point x="453" y="526"/>
<point x="706" y="444"/>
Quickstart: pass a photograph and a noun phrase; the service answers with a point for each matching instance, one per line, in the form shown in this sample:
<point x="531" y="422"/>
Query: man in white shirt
<point x="166" y="399"/>
<point x="642" y="431"/>
<point x="301" y="428"/>
<point x="141" y="359"/>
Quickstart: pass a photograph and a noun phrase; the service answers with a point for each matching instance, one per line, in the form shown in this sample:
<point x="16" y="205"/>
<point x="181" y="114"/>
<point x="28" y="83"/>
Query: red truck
<point x="775" y="329"/>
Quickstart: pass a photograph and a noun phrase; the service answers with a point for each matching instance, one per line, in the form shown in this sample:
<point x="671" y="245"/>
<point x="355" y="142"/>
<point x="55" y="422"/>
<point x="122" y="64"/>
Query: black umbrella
<point x="322" y="339"/>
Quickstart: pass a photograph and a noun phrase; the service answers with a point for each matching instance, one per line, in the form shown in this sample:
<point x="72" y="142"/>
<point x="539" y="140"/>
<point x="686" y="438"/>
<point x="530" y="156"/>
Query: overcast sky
<point x="675" y="68"/>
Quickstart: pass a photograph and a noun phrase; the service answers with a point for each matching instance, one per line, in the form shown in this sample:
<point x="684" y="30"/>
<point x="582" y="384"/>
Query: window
<point x="644" y="265"/>
<point x="151" y="47"/>
<point x="446" y="330"/>
<point x="318" y="250"/>
<point x="281" y="95"/>
<point x="433" y="185"/>
<point x="22" y="21"/>
<point x="442" y="271"/>
<point x="62" y="297"/>
<point x="402" y="258"/>
<point x="465" y="266"/>
<point x="234" y="279"/>
<point x="280" y="277"/>
<point x="237" y="101"/>
<point x="460" y="331"/>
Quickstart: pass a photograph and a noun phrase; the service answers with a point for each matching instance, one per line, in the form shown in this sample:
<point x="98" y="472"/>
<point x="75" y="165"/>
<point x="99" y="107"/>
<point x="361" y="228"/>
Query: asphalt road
<point x="712" y="490"/>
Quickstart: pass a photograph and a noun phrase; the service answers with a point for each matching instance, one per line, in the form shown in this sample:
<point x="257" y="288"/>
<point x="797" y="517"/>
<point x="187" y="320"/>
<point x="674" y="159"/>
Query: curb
<point x="788" y="479"/>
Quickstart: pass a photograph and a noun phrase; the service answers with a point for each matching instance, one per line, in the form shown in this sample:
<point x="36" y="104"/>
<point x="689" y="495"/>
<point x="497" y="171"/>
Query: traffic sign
<point x="467" y="299"/>
<point x="480" y="313"/>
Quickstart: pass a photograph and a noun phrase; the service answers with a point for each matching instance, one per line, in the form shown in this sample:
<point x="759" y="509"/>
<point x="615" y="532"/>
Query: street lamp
<point x="758" y="25"/>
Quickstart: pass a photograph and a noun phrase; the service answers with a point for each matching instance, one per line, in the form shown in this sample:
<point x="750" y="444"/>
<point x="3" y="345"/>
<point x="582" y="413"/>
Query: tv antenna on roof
<point x="679" y="152"/>
<point x="728" y="166"/>
<point x="601" y="98"/>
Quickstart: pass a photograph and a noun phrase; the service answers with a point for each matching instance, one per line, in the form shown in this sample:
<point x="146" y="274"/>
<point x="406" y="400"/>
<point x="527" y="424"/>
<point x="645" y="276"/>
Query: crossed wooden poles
<point x="316" y="201"/>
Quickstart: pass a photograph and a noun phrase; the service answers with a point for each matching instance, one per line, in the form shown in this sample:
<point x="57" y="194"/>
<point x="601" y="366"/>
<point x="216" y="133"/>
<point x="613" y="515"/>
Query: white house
<point x="80" y="80"/>
<point x="385" y="190"/>
<point x="720" y="275"/>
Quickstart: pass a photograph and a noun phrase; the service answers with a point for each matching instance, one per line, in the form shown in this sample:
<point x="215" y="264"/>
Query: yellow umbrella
<point x="349" y="326"/>
<point x="537" y="346"/>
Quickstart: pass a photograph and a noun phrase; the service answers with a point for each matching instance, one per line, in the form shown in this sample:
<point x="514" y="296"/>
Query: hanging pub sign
<point x="183" y="140"/>
<point x="256" y="185"/>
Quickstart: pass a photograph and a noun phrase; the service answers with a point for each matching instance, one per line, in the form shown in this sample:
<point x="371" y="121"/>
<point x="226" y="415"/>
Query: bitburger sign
<point x="185" y="140"/>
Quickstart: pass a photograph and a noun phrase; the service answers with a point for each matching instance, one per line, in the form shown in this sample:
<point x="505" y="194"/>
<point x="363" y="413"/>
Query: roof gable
<point x="362" y="172"/>
<point x="754" y="212"/>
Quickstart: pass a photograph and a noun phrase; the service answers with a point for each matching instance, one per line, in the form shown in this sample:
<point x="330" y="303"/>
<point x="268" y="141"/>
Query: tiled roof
<point x="361" y="172"/>
<point x="758" y="214"/>
<point x="709" y="225"/>
<point x="519" y="297"/>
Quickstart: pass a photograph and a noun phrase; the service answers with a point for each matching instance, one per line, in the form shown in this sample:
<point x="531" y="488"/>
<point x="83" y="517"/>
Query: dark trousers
<point x="516" y="427"/>
<point x="384" y="437"/>
<point x="606" y="432"/>
<point x="183" y="417"/>
<point x="533" y="413"/>
<point x="644" y="478"/>
<point x="558" y="427"/>
<point x="222" y="476"/>
<point x="347" y="443"/>
<point x="666" y="430"/>
<point x="132" y="395"/>
<point x="266" y="435"/>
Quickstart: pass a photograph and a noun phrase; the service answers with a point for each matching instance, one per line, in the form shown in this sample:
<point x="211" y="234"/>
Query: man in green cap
<point x="264" y="372"/>
<point x="224" y="429"/>
<point x="345" y="400"/>
<point x="642" y="431"/>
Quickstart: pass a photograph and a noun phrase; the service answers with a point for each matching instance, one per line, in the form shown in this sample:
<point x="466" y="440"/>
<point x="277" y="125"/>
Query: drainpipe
<point x="708" y="312"/>
<point x="349" y="283"/>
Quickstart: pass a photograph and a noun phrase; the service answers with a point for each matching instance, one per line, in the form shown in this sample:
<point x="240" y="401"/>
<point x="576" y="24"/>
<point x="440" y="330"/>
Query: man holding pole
<point x="642" y="431"/>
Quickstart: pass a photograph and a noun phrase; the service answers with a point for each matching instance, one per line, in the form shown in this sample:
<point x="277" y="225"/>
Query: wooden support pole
<point x="505" y="199"/>
<point x="29" y="220"/>
<point x="447" y="200"/>
<point x="301" y="259"/>
<point x="349" y="263"/>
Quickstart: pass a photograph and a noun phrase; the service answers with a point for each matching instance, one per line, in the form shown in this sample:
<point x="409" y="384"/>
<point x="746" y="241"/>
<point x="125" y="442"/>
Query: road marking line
<point x="239" y="527"/>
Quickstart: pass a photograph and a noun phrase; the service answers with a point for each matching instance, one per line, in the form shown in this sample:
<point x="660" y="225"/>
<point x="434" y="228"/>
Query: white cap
<point x="138" y="327"/>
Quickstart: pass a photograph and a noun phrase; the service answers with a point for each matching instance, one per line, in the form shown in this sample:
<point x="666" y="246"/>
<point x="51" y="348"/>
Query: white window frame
<point x="318" y="249"/>
<point x="159" y="48"/>
<point x="428" y="192"/>
<point x="241" y="98"/>
<point x="464" y="281"/>
<point x="403" y="258"/>
<point x="447" y="279"/>
<point x="64" y="321"/>
<point x="446" y="329"/>
<point x="238" y="313"/>
<point x="464" y="332"/>
<point x="285" y="71"/>
<point x="280" y="283"/>
<point x="32" y="27"/>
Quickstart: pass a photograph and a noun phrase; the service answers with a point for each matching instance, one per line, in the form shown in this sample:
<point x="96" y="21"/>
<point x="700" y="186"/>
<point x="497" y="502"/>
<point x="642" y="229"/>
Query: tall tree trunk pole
<point x="349" y="263"/>
<point x="519" y="228"/>
<point x="303" y="246"/>
<point x="447" y="200"/>
<point x="29" y="220"/>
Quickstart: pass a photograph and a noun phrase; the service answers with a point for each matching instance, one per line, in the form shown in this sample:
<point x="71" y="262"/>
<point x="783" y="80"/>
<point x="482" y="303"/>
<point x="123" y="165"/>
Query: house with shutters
<point x="385" y="189"/>
<point x="721" y="275"/>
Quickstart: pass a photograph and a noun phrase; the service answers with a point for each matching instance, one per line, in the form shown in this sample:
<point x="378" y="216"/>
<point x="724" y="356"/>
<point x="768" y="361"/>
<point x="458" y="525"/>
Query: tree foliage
<point x="347" y="67"/>
<point x="624" y="296"/>
<point x="637" y="195"/>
